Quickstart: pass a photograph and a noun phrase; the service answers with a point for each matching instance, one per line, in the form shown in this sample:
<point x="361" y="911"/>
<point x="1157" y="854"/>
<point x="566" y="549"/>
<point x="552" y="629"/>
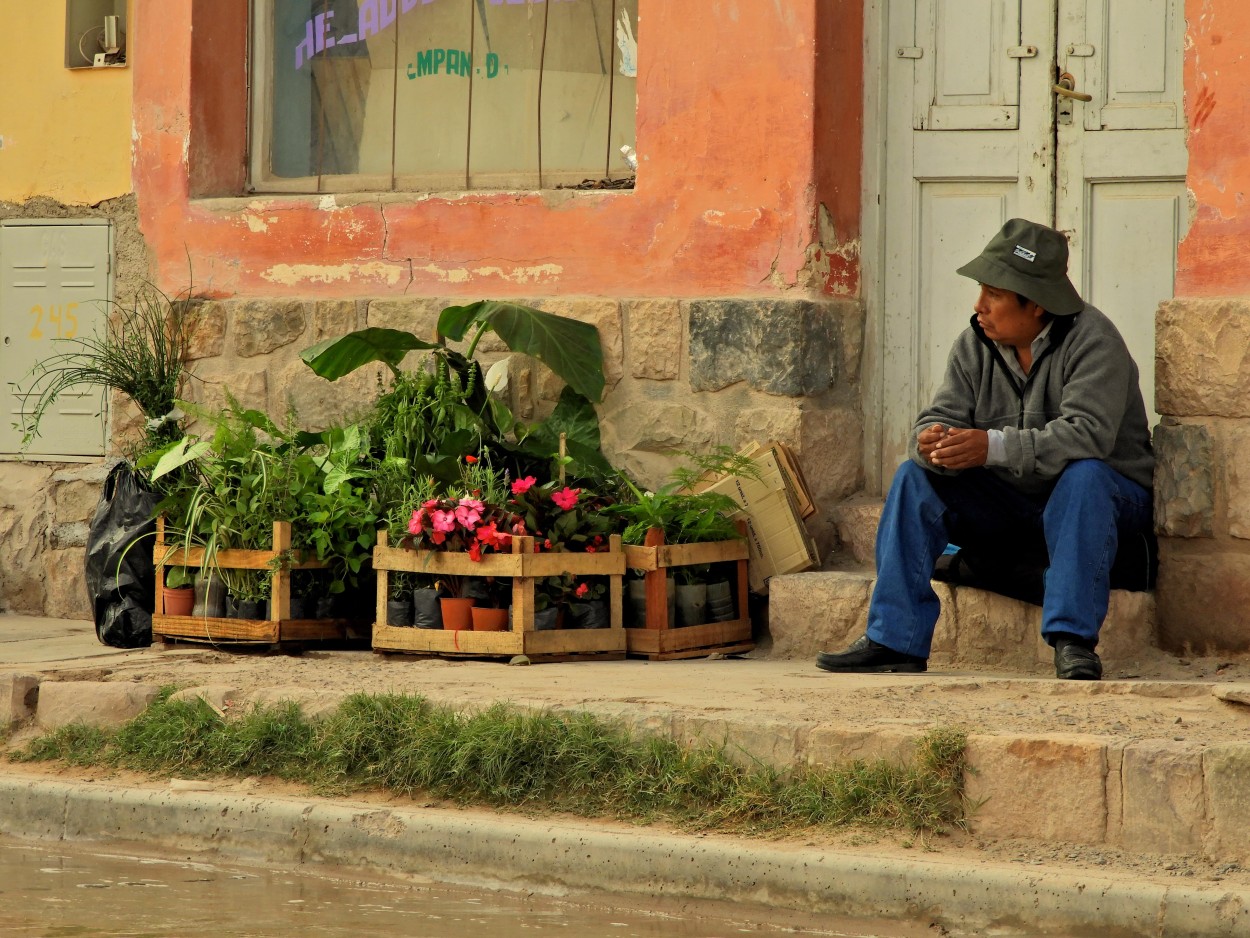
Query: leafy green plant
<point x="142" y="353"/>
<point x="179" y="577"/>
<point x="685" y="517"/>
<point x="439" y="412"/>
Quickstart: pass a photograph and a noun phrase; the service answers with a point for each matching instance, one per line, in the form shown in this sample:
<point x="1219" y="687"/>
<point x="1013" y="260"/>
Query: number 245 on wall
<point x="62" y="317"/>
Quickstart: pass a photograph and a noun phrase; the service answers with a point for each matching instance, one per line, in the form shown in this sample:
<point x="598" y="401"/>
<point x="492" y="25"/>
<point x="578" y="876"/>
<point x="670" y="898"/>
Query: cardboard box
<point x="777" y="540"/>
<point x="789" y="468"/>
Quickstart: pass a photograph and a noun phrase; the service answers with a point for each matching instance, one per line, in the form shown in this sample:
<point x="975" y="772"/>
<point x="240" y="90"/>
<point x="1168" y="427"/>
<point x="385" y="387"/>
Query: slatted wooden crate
<point x="279" y="628"/>
<point x="524" y="566"/>
<point x="662" y="640"/>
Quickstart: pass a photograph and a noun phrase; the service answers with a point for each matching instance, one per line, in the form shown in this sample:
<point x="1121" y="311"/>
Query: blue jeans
<point x="1079" y="523"/>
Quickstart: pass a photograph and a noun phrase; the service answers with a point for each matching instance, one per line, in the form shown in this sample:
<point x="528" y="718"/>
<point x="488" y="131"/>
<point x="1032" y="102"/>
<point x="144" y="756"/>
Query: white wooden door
<point x="975" y="134"/>
<point x="55" y="282"/>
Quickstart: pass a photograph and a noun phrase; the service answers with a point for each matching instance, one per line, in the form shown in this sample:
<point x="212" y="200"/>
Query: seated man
<point x="1036" y="439"/>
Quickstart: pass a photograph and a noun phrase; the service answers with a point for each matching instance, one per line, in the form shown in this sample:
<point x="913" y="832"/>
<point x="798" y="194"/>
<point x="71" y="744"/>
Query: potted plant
<point x="588" y="606"/>
<point x="468" y="519"/>
<point x="490" y="611"/>
<point x="399" y="601"/>
<point x="178" y="594"/>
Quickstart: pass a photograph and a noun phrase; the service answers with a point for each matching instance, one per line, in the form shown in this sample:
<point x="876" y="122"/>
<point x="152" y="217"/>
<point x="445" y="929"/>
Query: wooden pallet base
<point x="691" y="641"/>
<point x="554" y="645"/>
<point x="253" y="631"/>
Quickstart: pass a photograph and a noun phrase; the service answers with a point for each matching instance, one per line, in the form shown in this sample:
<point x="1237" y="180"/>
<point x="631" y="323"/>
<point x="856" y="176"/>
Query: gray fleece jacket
<point x="1081" y="401"/>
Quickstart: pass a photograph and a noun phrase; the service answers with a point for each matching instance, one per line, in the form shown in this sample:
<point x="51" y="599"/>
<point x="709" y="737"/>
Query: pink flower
<point x="469" y="512"/>
<point x="519" y="528"/>
<point x="415" y="525"/>
<point x="432" y="503"/>
<point x="566" y="498"/>
<point x="445" y="522"/>
<point x="521" y="486"/>
<point x="581" y="590"/>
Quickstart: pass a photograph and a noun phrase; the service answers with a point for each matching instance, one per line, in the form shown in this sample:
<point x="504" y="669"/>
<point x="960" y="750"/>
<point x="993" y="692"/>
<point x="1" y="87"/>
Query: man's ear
<point x="1034" y="310"/>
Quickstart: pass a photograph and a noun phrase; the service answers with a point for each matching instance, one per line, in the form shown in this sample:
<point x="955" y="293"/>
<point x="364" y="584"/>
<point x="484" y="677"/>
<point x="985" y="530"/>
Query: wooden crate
<point x="279" y="628"/>
<point x="523" y="566"/>
<point x="661" y="640"/>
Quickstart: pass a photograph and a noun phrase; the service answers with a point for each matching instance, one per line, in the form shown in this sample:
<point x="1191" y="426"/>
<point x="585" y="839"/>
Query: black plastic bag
<point x="121" y="576"/>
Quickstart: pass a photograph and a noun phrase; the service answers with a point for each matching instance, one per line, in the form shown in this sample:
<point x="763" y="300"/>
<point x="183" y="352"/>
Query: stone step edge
<point x="824" y="610"/>
<point x="1152" y="796"/>
<point x="553" y="855"/>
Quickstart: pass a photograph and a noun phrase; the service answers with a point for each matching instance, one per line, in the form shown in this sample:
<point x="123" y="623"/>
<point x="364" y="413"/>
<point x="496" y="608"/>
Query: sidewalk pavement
<point x="1118" y="789"/>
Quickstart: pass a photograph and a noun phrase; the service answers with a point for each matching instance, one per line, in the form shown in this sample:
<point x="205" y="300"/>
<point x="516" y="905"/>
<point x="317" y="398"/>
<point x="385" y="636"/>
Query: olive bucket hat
<point x="1032" y="260"/>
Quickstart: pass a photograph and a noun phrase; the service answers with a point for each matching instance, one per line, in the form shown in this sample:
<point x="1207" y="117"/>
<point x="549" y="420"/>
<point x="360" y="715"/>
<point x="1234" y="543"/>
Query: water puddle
<point x="49" y="891"/>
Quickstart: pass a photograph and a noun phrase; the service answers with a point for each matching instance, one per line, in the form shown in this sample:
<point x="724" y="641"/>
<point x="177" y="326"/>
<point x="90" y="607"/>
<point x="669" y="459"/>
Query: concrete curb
<point x="542" y="854"/>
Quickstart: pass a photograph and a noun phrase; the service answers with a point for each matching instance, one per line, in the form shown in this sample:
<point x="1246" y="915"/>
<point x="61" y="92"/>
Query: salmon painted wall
<point x="726" y="204"/>
<point x="1212" y="259"/>
<point x="71" y="140"/>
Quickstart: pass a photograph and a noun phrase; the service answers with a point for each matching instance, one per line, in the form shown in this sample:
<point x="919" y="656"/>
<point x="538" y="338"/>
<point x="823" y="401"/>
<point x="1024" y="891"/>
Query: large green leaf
<point x="569" y="348"/>
<point x="184" y="451"/>
<point x="334" y="358"/>
<point x="575" y="417"/>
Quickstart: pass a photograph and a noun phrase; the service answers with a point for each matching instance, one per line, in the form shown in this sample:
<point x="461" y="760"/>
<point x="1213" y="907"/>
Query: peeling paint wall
<point x="1217" y="104"/>
<point x="732" y="106"/>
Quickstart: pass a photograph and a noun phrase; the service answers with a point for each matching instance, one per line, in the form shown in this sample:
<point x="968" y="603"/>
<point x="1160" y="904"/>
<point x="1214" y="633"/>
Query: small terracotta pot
<point x="486" y="619"/>
<point x="457" y="613"/>
<point x="178" y="602"/>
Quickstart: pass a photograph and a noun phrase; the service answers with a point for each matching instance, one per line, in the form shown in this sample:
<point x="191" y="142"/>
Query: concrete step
<point x="856" y="521"/>
<point x="979" y="630"/>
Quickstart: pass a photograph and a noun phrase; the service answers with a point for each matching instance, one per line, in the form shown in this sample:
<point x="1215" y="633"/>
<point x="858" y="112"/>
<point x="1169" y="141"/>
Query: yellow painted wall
<point x="66" y="133"/>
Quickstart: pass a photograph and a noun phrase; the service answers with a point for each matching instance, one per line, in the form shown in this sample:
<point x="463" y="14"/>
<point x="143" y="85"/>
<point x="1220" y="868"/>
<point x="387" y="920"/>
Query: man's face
<point x="1003" y="318"/>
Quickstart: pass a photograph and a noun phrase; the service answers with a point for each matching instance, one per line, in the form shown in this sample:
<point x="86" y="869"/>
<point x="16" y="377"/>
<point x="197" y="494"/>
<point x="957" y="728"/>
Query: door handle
<point x="1066" y="87"/>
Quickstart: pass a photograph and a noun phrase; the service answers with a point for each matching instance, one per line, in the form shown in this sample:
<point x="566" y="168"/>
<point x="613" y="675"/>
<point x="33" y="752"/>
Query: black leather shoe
<point x="1075" y="660"/>
<point x="865" y="655"/>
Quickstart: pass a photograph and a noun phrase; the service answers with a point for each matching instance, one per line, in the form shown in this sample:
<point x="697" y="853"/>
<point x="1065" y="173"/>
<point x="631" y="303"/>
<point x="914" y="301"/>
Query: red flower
<point x="591" y="549"/>
<point x="521" y="486"/>
<point x="581" y="590"/>
<point x="470" y="459"/>
<point x="475" y="551"/>
<point x="566" y="498"/>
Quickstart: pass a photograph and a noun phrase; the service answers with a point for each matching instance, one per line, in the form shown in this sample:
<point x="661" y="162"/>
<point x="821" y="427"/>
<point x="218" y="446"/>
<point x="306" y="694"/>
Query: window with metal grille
<point x="352" y="95"/>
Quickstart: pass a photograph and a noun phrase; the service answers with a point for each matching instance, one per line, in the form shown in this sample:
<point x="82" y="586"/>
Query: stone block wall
<point x="681" y="374"/>
<point x="1202" y="480"/>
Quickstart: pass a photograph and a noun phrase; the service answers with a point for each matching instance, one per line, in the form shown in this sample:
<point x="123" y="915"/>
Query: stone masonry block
<point x="261" y="326"/>
<point x="333" y="318"/>
<point x="19" y="694"/>
<point x="790" y="348"/>
<point x="65" y="589"/>
<point x="320" y="403"/>
<point x="653" y="340"/>
<point x="772" y="743"/>
<point x="1225" y="770"/>
<point x="1237" y="479"/>
<point x="1184" y="481"/>
<point x="1203" y="357"/>
<point x="1202" y="599"/>
<point x="1163" y="807"/>
<point x="1041" y="787"/>
<point x="416" y="314"/>
<point x="829" y="746"/>
<point x="76" y="501"/>
<point x="207" y="329"/>
<point x="96" y="703"/>
<point x="813" y="612"/>
<point x="857" y="519"/>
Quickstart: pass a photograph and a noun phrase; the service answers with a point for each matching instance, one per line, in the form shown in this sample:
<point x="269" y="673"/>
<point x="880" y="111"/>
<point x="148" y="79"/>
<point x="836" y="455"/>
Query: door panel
<point x="964" y="78"/>
<point x="54" y="281"/>
<point x="1129" y="61"/>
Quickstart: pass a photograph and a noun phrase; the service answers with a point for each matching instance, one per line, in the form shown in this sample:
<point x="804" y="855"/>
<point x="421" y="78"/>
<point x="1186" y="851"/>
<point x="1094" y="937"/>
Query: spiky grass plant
<point x="506" y="757"/>
<point x="141" y="352"/>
